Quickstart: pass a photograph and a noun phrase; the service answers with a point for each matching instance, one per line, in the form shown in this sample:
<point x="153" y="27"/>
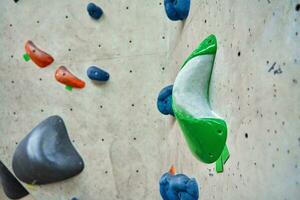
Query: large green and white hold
<point x="204" y="131"/>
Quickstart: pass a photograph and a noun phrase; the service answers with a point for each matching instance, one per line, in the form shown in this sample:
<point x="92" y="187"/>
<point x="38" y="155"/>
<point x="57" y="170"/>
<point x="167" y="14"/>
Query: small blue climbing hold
<point x="94" y="11"/>
<point x="97" y="74"/>
<point x="164" y="101"/>
<point x="74" y="198"/>
<point x="177" y="9"/>
<point x="178" y="187"/>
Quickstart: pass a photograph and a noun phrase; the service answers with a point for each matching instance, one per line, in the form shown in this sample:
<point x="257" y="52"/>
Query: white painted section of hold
<point x="191" y="87"/>
<point x="126" y="144"/>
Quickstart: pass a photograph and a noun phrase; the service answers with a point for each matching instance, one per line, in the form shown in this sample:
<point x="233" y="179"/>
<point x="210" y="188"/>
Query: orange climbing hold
<point x="39" y="57"/>
<point x="172" y="170"/>
<point x="64" y="76"/>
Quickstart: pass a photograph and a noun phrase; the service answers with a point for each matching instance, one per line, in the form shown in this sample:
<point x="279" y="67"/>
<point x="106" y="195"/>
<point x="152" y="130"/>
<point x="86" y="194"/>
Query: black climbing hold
<point x="11" y="186"/>
<point x="97" y="74"/>
<point x="94" y="11"/>
<point x="46" y="154"/>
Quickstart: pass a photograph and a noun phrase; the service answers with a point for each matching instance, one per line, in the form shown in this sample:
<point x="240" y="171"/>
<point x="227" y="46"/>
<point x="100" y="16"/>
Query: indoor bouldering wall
<point x="126" y="144"/>
<point x="254" y="86"/>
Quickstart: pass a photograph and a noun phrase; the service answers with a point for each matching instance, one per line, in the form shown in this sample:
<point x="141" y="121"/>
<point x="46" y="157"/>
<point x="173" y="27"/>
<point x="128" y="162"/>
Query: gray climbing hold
<point x="46" y="154"/>
<point x="11" y="186"/>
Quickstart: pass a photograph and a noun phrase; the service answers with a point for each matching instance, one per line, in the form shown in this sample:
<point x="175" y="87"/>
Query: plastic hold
<point x="206" y="47"/>
<point x="70" y="88"/>
<point x="94" y="11"/>
<point x="64" y="76"/>
<point x="74" y="198"/>
<point x="172" y="170"/>
<point x="46" y="154"/>
<point x="178" y="187"/>
<point x="222" y="160"/>
<point x="204" y="131"/>
<point x="219" y="165"/>
<point x="26" y="57"/>
<point x="177" y="9"/>
<point x="97" y="74"/>
<point x="164" y="101"/>
<point x="39" y="57"/>
<point x="11" y="186"/>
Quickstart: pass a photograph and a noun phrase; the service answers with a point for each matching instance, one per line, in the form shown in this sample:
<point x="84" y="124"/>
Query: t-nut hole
<point x="210" y="155"/>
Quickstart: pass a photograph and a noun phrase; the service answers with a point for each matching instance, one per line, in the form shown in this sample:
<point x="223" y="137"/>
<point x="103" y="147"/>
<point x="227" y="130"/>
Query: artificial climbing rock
<point x="46" y="154"/>
<point x="64" y="76"/>
<point x="11" y="186"/>
<point x="39" y="57"/>
<point x="94" y="11"/>
<point x="204" y="131"/>
<point x="177" y="9"/>
<point x="178" y="187"/>
<point x="164" y="101"/>
<point x="97" y="74"/>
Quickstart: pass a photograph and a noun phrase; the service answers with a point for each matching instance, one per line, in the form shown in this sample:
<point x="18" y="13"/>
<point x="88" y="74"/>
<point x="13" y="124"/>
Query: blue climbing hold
<point x="177" y="9"/>
<point x="74" y="198"/>
<point x="178" y="187"/>
<point x="94" y="11"/>
<point x="97" y="74"/>
<point x="164" y="101"/>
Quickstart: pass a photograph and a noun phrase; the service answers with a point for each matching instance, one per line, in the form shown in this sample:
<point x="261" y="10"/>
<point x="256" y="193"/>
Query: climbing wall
<point x="255" y="87"/>
<point x="125" y="142"/>
<point x="115" y="126"/>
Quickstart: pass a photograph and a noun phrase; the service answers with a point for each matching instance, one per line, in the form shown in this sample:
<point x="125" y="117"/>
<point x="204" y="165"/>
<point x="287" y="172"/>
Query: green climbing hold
<point x="206" y="47"/>
<point x="204" y="131"/>
<point x="26" y="57"/>
<point x="222" y="160"/>
<point x="68" y="87"/>
<point x="225" y="155"/>
<point x="219" y="165"/>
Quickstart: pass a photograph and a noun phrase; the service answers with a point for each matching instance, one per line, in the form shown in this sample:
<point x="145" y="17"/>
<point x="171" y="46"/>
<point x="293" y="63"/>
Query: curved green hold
<point x="206" y="47"/>
<point x="204" y="131"/>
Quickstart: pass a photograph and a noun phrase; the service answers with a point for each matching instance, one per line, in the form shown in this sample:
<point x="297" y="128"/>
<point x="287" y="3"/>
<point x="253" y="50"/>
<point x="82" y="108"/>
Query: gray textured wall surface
<point x="125" y="142"/>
